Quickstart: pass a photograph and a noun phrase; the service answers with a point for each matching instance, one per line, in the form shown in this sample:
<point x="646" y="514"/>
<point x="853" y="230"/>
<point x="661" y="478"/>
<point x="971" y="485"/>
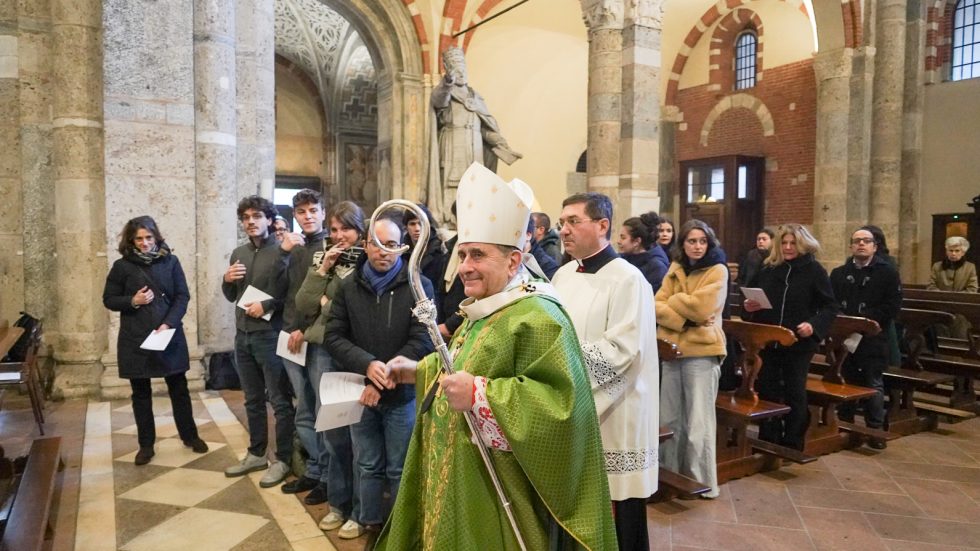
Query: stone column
<point x="11" y="212"/>
<point x="79" y="190"/>
<point x="886" y="136"/>
<point x="218" y="170"/>
<point x="913" y="107"/>
<point x="842" y="152"/>
<point x="604" y="19"/>
<point x="39" y="234"/>
<point x="639" y="162"/>
<point x="265" y="96"/>
<point x="255" y="66"/>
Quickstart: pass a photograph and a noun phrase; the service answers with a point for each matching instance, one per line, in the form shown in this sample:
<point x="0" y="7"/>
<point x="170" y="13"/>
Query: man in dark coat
<point x="370" y="323"/>
<point x="546" y="236"/>
<point x="258" y="264"/>
<point x="868" y="286"/>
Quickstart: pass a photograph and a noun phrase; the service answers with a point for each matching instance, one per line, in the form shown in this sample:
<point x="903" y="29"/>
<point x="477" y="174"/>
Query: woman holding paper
<point x="689" y="305"/>
<point x="802" y="300"/>
<point x="148" y="288"/>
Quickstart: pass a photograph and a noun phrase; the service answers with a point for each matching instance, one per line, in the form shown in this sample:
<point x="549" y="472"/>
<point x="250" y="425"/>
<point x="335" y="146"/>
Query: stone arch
<point x="939" y="40"/>
<point x="838" y="24"/>
<point x="722" y="51"/>
<point x="738" y="101"/>
<point x="391" y="35"/>
<point x="481" y="12"/>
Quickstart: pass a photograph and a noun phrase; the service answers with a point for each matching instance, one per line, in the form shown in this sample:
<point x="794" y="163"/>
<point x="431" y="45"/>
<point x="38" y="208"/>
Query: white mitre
<point x="490" y="210"/>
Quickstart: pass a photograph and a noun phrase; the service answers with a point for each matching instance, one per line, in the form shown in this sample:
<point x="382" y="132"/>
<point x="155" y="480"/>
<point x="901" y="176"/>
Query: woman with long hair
<point x="148" y="288"/>
<point x="638" y="246"/>
<point x="665" y="233"/>
<point x="337" y="263"/>
<point x="802" y="299"/>
<point x="689" y="306"/>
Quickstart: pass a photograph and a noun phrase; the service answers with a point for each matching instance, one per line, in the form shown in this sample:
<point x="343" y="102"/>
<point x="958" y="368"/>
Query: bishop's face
<point x="485" y="270"/>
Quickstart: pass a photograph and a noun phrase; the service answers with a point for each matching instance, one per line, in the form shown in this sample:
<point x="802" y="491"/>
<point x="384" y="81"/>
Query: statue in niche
<point x="462" y="131"/>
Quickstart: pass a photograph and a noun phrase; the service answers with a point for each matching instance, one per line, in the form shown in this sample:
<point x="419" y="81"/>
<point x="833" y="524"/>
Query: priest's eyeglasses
<point x="573" y="222"/>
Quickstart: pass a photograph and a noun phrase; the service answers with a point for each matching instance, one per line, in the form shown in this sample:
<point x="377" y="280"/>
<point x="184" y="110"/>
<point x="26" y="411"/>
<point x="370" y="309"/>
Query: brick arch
<point x="939" y="39"/>
<point x="738" y="101"/>
<point x="413" y="10"/>
<point x="850" y="14"/>
<point x="480" y="14"/>
<point x="452" y="21"/>
<point x="722" y="52"/>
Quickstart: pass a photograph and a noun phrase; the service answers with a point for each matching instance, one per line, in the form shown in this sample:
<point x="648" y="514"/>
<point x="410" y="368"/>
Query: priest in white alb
<point x="611" y="305"/>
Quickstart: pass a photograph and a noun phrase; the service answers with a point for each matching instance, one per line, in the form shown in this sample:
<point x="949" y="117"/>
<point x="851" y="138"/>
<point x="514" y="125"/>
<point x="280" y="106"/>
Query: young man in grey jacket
<point x="259" y="264"/>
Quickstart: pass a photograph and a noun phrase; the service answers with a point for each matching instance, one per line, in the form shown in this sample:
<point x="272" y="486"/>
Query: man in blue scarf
<point x="370" y="323"/>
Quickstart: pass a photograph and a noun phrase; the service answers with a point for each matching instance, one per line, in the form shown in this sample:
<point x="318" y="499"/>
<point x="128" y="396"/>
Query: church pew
<point x="673" y="484"/>
<point x="738" y="453"/>
<point x="964" y="369"/>
<point x="28" y="525"/>
<point x="902" y="382"/>
<point x="826" y="433"/>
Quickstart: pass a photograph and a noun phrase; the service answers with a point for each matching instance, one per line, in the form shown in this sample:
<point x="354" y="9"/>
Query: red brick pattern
<point x="789" y="92"/>
<point x="481" y="14"/>
<point x="722" y="56"/>
<point x="423" y="39"/>
<point x="939" y="39"/>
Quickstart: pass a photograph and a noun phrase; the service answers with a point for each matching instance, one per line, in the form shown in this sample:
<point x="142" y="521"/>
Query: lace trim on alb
<point x="630" y="461"/>
<point x="601" y="372"/>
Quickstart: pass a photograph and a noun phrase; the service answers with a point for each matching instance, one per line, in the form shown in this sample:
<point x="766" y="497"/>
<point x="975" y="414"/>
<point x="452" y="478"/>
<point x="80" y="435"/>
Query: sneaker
<point x="277" y="472"/>
<point x="333" y="520"/>
<point x="144" y="455"/>
<point x="317" y="496"/>
<point x="198" y="445"/>
<point x="301" y="484"/>
<point x="350" y="530"/>
<point x="249" y="464"/>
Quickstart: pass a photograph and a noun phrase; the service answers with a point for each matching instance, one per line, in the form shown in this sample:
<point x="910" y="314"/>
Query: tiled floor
<point x="921" y="494"/>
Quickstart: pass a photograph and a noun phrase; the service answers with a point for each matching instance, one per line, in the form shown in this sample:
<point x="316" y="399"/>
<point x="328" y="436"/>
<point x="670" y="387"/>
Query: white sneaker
<point x="277" y="472"/>
<point x="247" y="465"/>
<point x="350" y="530"/>
<point x="333" y="520"/>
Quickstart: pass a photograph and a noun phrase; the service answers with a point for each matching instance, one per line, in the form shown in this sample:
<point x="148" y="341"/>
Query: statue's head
<point x="455" y="64"/>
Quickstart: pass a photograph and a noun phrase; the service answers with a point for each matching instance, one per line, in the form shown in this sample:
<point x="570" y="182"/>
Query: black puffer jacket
<point x="874" y="292"/>
<point x="171" y="296"/>
<point x="652" y="264"/>
<point x="799" y="291"/>
<point x="363" y="327"/>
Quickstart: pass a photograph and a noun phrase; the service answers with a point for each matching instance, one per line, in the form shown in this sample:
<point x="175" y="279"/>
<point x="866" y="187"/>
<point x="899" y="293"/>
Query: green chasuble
<point x="540" y="395"/>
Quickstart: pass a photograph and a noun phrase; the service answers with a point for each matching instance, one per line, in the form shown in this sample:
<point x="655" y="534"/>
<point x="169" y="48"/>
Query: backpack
<point x="222" y="372"/>
<point x="18" y="352"/>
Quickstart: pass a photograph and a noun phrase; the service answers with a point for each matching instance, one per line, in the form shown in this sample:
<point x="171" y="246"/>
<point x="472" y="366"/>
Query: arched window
<point x="745" y="47"/>
<point x="966" y="40"/>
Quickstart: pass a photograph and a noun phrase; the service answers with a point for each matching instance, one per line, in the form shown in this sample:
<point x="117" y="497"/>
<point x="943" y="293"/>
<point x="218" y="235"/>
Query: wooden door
<point x="726" y="193"/>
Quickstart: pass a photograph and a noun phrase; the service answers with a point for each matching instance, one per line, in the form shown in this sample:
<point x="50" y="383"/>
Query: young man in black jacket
<point x="259" y="264"/>
<point x="371" y="322"/>
<point x="868" y="286"/>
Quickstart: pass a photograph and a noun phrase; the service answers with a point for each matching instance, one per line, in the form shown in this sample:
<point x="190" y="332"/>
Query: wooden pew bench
<point x="963" y="370"/>
<point x="826" y="432"/>
<point x="28" y="525"/>
<point x="738" y="453"/>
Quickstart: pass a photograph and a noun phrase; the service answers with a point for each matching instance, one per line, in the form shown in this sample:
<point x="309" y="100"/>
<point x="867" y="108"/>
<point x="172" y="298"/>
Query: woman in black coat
<point x="638" y="245"/>
<point x="148" y="288"/>
<point x="802" y="301"/>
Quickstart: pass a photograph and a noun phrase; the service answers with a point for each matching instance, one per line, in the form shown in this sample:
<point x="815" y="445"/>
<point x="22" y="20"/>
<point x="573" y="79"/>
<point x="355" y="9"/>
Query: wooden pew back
<point x="753" y="337"/>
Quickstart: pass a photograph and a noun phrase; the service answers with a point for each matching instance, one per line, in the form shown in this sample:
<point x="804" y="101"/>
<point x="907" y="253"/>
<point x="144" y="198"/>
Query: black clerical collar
<point x="594" y="263"/>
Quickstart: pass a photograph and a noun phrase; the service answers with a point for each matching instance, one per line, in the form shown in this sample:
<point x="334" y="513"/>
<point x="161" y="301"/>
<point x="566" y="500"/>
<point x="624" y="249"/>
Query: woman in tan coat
<point x="689" y="308"/>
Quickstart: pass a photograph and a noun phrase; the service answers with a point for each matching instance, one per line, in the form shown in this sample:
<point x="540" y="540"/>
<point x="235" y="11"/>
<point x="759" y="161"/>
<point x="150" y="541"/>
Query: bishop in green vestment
<point x="520" y="371"/>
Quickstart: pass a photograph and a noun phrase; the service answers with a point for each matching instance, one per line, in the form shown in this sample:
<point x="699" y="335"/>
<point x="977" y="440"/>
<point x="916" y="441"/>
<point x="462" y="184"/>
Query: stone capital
<point x="603" y="14"/>
<point x="645" y="13"/>
<point x="833" y="64"/>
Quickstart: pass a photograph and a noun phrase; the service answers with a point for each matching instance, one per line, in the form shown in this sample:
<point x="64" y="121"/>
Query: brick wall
<point x="789" y="92"/>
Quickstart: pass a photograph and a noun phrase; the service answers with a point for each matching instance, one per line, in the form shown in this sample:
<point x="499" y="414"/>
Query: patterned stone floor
<point x="921" y="494"/>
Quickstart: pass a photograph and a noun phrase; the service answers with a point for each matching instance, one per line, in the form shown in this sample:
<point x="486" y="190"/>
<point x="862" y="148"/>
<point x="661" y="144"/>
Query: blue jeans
<point x="316" y="465"/>
<point x="263" y="377"/>
<point x="337" y="453"/>
<point x="380" y="445"/>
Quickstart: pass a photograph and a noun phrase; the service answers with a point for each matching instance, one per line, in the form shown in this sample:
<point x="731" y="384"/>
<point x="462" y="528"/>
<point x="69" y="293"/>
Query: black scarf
<point x="950" y="265"/>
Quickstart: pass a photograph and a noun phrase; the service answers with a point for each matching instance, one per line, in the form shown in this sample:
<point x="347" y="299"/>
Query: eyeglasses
<point x="862" y="240"/>
<point x="257" y="216"/>
<point x="573" y="222"/>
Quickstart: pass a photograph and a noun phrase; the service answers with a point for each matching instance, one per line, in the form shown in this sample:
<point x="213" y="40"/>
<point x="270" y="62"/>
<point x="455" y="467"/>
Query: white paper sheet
<point x="158" y="340"/>
<point x="758" y="295"/>
<point x="252" y="294"/>
<point x="339" y="395"/>
<point x="282" y="350"/>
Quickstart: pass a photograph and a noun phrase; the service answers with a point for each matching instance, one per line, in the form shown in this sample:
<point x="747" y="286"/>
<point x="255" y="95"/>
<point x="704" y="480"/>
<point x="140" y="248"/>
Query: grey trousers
<point x="688" y="390"/>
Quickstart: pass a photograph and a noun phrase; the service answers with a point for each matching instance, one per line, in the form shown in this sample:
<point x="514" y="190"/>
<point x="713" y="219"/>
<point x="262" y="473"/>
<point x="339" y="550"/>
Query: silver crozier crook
<point x="425" y="312"/>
